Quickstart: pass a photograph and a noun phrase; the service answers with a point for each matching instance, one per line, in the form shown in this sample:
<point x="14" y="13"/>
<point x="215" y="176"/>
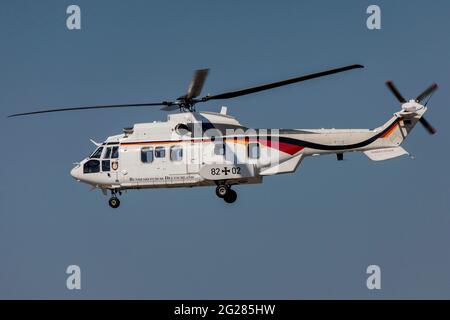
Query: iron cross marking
<point x="225" y="171"/>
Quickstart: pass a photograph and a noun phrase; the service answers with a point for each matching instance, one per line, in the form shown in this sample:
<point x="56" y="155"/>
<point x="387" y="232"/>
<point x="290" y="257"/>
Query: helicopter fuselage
<point x="206" y="149"/>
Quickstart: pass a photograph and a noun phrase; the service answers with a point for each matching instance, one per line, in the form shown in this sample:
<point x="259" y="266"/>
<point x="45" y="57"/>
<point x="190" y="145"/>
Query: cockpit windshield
<point x="97" y="153"/>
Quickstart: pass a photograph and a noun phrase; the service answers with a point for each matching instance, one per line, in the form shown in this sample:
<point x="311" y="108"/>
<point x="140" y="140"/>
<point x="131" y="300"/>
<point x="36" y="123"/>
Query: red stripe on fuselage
<point x="282" y="146"/>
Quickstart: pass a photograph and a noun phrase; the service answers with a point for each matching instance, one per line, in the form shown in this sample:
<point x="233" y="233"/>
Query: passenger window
<point x="115" y="153"/>
<point x="91" y="166"/>
<point x="176" y="153"/>
<point x="107" y="153"/>
<point x="253" y="150"/>
<point x="106" y="165"/>
<point x="147" y="155"/>
<point x="97" y="153"/>
<point x="219" y="149"/>
<point x="160" y="152"/>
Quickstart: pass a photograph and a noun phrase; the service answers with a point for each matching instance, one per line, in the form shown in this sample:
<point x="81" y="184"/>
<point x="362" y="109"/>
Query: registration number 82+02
<point x="225" y="171"/>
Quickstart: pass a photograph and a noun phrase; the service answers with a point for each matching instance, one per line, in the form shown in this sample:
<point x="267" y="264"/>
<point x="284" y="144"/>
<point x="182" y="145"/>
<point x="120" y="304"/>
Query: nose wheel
<point x="226" y="193"/>
<point x="114" y="202"/>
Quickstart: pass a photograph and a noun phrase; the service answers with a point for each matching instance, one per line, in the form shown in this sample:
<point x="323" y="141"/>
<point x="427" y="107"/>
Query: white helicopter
<point x="213" y="149"/>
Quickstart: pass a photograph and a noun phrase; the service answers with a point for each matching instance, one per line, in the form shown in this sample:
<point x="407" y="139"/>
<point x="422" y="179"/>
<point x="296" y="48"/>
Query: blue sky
<point x="306" y="235"/>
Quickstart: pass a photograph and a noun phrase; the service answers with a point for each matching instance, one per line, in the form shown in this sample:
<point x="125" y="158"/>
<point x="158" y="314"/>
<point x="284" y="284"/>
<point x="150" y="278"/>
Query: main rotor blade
<point x="195" y="88"/>
<point x="427" y="92"/>
<point x="395" y="91"/>
<point x="164" y="103"/>
<point x="427" y="126"/>
<point x="171" y="107"/>
<point x="238" y="93"/>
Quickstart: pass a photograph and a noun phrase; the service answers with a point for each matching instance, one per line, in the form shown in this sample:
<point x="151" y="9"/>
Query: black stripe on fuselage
<point x="293" y="141"/>
<point x="319" y="146"/>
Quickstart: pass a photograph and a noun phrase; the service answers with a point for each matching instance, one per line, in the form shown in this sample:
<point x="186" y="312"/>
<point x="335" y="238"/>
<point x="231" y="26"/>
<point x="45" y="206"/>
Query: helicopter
<point x="214" y="149"/>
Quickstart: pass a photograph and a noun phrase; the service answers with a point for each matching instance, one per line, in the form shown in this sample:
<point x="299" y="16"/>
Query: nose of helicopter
<point x="76" y="172"/>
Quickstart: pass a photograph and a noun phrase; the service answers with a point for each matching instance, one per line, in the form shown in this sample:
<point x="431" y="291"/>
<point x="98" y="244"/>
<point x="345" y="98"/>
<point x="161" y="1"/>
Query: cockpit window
<point x="91" y="166"/>
<point x="97" y="153"/>
<point x="115" y="153"/>
<point x="107" y="153"/>
<point x="106" y="165"/>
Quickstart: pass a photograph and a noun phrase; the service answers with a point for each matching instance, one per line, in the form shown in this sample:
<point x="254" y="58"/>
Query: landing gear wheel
<point x="221" y="190"/>
<point x="114" y="202"/>
<point x="230" y="196"/>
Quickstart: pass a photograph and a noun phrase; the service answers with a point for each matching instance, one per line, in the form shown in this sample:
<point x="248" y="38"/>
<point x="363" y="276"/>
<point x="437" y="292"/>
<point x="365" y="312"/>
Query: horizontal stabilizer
<point x="385" y="153"/>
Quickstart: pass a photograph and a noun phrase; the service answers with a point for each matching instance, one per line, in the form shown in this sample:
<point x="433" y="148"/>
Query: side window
<point x="160" y="152"/>
<point x="219" y="149"/>
<point x="115" y="153"/>
<point x="147" y="154"/>
<point x="176" y="153"/>
<point x="253" y="150"/>
<point x="91" y="166"/>
<point x="106" y="165"/>
<point x="97" y="153"/>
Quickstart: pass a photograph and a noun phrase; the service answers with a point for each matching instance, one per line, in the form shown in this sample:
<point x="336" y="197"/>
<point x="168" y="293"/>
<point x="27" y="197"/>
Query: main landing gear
<point x="114" y="202"/>
<point x="226" y="193"/>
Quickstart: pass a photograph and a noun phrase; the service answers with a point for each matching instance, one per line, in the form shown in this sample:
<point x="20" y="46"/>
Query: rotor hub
<point x="411" y="106"/>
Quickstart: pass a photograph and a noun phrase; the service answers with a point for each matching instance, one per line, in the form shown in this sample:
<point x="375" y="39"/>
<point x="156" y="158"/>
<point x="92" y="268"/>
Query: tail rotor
<point x="413" y="105"/>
